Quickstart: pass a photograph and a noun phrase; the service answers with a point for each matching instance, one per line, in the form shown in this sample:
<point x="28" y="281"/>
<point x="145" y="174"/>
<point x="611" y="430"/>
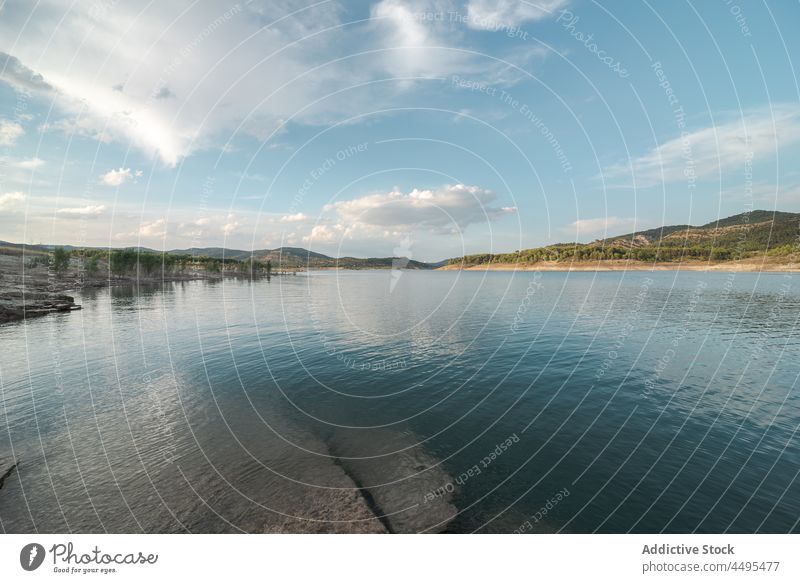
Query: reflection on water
<point x="352" y="402"/>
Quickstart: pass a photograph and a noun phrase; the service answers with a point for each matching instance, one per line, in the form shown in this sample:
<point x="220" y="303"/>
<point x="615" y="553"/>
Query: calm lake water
<point x="490" y="402"/>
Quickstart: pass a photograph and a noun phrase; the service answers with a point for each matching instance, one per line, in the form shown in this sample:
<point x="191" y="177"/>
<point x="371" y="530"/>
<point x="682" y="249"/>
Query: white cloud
<point x="389" y="215"/>
<point x="144" y="58"/>
<point x="151" y="230"/>
<point x="203" y="58"/>
<point x="29" y="164"/>
<point x="418" y="42"/>
<point x="494" y="14"/>
<point x="325" y="234"/>
<point x="295" y="218"/>
<point x="707" y="152"/>
<point x="14" y="72"/>
<point x="231" y="225"/>
<point x="602" y="227"/>
<point x="91" y="210"/>
<point x="408" y="38"/>
<point x="11" y="200"/>
<point x="248" y="68"/>
<point x="195" y="229"/>
<point x="156" y="228"/>
<point x="162" y="225"/>
<point x="119" y="177"/>
<point x="9" y="132"/>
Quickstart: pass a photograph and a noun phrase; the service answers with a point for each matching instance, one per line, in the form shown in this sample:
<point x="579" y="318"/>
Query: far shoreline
<point x="742" y="266"/>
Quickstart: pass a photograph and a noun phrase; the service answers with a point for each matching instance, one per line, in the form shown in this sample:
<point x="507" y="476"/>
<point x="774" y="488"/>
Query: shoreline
<point x="25" y="301"/>
<point x="742" y="266"/>
<point x="33" y="291"/>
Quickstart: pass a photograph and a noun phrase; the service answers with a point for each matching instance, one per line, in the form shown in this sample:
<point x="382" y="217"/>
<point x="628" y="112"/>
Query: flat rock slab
<point x="16" y="305"/>
<point x="400" y="485"/>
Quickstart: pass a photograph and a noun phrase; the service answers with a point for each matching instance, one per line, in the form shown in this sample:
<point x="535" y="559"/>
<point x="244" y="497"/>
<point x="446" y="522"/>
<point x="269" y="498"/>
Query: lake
<point x="409" y="401"/>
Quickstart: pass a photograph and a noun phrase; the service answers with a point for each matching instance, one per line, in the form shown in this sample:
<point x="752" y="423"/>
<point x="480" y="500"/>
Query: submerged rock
<point x="409" y="489"/>
<point x="331" y="512"/>
<point x="6" y="467"/>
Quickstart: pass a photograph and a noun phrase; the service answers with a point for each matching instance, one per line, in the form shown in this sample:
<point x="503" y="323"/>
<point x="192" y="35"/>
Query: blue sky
<point x="419" y="128"/>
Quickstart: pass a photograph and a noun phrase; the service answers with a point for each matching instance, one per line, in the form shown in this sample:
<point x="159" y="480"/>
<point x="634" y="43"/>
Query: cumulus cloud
<point x="119" y="177"/>
<point x="325" y="234"/>
<point x="707" y="152"/>
<point x="195" y="229"/>
<point x="90" y="210"/>
<point x="156" y="228"/>
<point x="231" y="225"/>
<point x="295" y="218"/>
<point x="14" y="72"/>
<point x="29" y="163"/>
<point x="446" y="210"/>
<point x="494" y="14"/>
<point x="11" y="200"/>
<point x="10" y="131"/>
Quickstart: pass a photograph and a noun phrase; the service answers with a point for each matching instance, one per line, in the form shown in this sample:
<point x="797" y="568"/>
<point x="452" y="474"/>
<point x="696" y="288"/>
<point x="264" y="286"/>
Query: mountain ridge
<point x="738" y="237"/>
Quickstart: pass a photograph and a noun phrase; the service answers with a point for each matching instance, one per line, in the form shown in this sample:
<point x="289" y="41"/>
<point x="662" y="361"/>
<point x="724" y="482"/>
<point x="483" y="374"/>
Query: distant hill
<point x="213" y="252"/>
<point x="737" y="237"/>
<point x="296" y="257"/>
<point x="281" y="258"/>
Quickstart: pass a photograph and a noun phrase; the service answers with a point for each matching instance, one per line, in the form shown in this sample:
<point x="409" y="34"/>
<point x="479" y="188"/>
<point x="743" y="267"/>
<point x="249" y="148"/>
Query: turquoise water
<point x="455" y="401"/>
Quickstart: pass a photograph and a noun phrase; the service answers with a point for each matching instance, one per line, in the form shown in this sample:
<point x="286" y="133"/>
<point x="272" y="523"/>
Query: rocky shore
<point x="18" y="305"/>
<point x="29" y="288"/>
<point x="31" y="292"/>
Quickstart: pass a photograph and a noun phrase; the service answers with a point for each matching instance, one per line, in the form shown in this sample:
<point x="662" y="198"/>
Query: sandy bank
<point x="747" y="265"/>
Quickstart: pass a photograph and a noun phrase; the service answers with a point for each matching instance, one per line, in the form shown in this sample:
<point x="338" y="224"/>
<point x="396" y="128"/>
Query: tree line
<point x="651" y="253"/>
<point x="134" y="262"/>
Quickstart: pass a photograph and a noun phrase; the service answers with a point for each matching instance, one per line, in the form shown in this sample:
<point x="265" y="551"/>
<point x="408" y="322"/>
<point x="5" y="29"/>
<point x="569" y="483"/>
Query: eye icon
<point x="31" y="556"/>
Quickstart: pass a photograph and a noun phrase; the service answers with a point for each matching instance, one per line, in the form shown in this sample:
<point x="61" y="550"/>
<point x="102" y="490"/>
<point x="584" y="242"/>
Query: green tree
<point x="213" y="266"/>
<point x="91" y="266"/>
<point x="720" y="254"/>
<point x="60" y="260"/>
<point x="122" y="261"/>
<point x="148" y="263"/>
